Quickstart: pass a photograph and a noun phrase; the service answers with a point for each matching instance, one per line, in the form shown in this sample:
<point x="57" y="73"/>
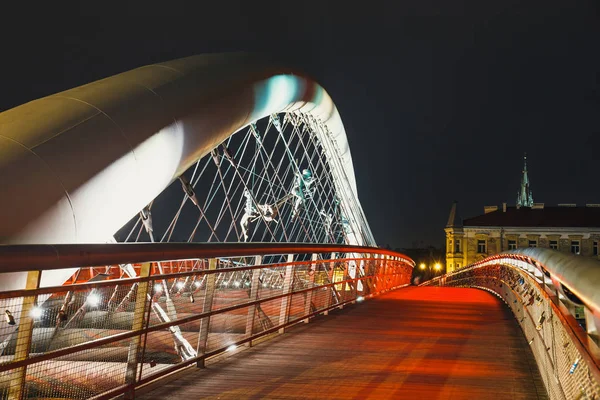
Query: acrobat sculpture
<point x="251" y="214"/>
<point x="301" y="190"/>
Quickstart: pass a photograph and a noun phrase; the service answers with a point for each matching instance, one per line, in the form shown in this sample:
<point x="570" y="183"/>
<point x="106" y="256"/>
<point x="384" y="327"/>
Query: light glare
<point x="36" y="312"/>
<point x="93" y="299"/>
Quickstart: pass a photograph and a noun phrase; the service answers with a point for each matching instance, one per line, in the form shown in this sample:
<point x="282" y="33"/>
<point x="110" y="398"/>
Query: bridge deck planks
<point x="415" y="343"/>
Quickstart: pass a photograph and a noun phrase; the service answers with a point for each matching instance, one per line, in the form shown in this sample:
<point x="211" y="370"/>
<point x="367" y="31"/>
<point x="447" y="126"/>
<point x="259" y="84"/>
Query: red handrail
<point x="21" y="258"/>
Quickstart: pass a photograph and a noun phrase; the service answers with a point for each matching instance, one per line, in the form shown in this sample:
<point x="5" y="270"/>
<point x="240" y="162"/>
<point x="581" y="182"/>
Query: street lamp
<point x="422" y="266"/>
<point x="437" y="266"/>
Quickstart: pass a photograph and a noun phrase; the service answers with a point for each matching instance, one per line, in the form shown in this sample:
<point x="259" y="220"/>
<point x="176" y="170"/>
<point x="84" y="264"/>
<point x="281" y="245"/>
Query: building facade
<point x="566" y="228"/>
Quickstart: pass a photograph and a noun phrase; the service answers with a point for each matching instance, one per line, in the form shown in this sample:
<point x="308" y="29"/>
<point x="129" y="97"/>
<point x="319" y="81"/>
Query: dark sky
<point x="439" y="98"/>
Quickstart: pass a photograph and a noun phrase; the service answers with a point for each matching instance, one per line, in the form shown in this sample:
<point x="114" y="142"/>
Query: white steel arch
<point x="77" y="165"/>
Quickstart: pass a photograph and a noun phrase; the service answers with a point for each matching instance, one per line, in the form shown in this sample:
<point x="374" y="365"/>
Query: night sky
<point x="440" y="99"/>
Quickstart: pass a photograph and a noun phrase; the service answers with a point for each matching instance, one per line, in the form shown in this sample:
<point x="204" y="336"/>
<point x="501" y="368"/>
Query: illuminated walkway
<point x="416" y="343"/>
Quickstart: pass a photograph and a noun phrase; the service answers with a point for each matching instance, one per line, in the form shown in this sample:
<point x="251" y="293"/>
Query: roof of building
<point x="584" y="217"/>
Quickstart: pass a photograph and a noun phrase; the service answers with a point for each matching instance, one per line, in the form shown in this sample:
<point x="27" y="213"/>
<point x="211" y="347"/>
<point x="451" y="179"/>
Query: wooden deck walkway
<point x="415" y="343"/>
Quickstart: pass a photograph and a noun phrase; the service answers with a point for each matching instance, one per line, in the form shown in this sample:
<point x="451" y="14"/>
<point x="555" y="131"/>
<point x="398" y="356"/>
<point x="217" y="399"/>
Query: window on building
<point x="554" y="244"/>
<point x="533" y="243"/>
<point x="595" y="248"/>
<point x="457" y="246"/>
<point x="457" y="265"/>
<point x="449" y="245"/>
<point x="575" y="248"/>
<point x="512" y="244"/>
<point x="481" y="247"/>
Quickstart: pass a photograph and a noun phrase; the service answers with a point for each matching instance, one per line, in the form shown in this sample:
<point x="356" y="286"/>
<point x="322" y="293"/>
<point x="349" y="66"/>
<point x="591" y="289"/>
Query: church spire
<point x="524" y="197"/>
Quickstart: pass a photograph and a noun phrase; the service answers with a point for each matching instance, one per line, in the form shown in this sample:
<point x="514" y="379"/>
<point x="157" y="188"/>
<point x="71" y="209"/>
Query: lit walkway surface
<point x="415" y="343"/>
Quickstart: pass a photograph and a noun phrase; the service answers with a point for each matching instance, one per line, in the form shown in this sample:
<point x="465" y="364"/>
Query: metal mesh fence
<point x="565" y="365"/>
<point x="85" y="340"/>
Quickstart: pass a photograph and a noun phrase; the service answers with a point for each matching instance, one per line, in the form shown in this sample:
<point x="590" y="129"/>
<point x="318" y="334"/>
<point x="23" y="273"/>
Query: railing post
<point x="133" y="355"/>
<point x="330" y="277"/>
<point x="254" y="288"/>
<point x="384" y="285"/>
<point x="397" y="273"/>
<point x="386" y="273"/>
<point x="592" y="322"/>
<point x="344" y="277"/>
<point x="311" y="281"/>
<point x="23" y="346"/>
<point x="209" y="294"/>
<point x="373" y="274"/>
<point x="379" y="274"/>
<point x="372" y="271"/>
<point x="357" y="272"/>
<point x="286" y="302"/>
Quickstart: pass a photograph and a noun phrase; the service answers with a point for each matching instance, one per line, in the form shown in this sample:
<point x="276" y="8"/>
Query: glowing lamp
<point x="93" y="299"/>
<point x="36" y="312"/>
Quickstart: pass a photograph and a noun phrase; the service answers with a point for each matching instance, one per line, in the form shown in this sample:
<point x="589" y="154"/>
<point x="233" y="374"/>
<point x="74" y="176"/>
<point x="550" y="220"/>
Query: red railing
<point x="124" y="333"/>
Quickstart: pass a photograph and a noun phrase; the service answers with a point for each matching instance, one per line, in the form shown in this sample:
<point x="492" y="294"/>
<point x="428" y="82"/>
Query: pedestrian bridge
<point x="289" y="321"/>
<point x="429" y="343"/>
<point x="195" y="221"/>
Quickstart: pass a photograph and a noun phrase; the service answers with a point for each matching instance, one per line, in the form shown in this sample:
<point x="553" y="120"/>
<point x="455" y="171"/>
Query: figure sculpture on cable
<point x="327" y="220"/>
<point x="267" y="211"/>
<point x="302" y="189"/>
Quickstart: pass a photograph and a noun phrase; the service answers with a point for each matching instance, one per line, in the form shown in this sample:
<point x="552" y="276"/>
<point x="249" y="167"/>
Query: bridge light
<point x="36" y="312"/>
<point x="574" y="366"/>
<point x="236" y="283"/>
<point x="360" y="298"/>
<point x="158" y="288"/>
<point x="231" y="348"/>
<point x="93" y="300"/>
<point x="179" y="285"/>
<point x="197" y="284"/>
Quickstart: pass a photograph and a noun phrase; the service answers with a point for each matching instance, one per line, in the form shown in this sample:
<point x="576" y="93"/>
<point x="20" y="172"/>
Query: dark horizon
<point x="439" y="101"/>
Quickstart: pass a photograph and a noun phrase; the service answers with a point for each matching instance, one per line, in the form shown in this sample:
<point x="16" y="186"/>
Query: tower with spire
<point x="525" y="196"/>
<point x="455" y="241"/>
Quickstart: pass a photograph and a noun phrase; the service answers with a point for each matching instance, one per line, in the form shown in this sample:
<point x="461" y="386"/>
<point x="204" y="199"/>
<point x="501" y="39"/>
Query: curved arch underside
<point x="77" y="165"/>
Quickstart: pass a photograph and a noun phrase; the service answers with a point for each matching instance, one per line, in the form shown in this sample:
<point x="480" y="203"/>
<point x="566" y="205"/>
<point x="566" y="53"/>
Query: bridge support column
<point x="330" y="293"/>
<point x="311" y="281"/>
<point x="23" y="346"/>
<point x="254" y="288"/>
<point x="133" y="355"/>
<point x="286" y="302"/>
<point x="209" y="294"/>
